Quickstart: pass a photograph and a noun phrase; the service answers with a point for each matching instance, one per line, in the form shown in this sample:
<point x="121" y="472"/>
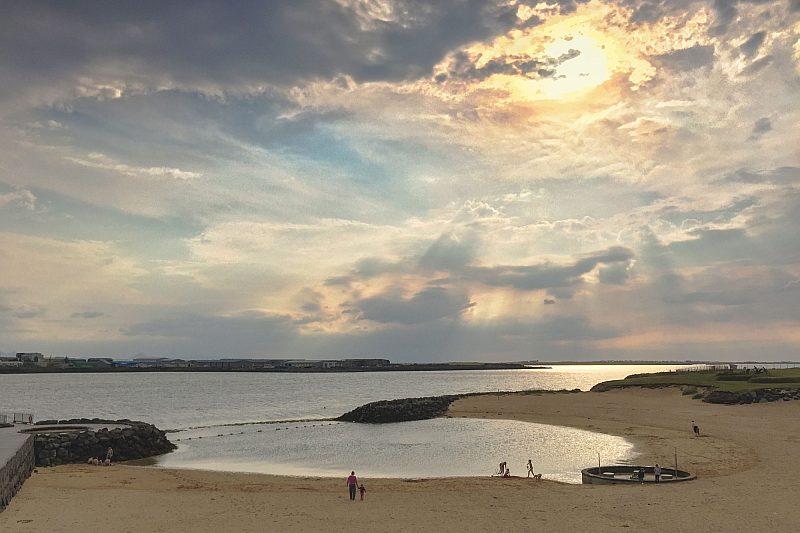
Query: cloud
<point x="96" y="160"/>
<point x="614" y="274"/>
<point x="463" y="67"/>
<point x="546" y="275"/>
<point x="87" y="314"/>
<point x="292" y="178"/>
<point x="252" y="333"/>
<point x="688" y="58"/>
<point x="751" y="46"/>
<point x="761" y="126"/>
<point x="109" y="52"/>
<point x="449" y="253"/>
<point x="23" y="198"/>
<point x="725" y="14"/>
<point x="429" y="304"/>
<point x="27" y="311"/>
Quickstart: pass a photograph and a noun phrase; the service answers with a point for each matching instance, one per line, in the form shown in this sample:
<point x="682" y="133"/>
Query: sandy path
<point x="747" y="460"/>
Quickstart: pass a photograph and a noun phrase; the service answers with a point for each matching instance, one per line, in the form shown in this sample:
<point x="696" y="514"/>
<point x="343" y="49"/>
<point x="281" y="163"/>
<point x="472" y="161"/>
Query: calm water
<point x="200" y="405"/>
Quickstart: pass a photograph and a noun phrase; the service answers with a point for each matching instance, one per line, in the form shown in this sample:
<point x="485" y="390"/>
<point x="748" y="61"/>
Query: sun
<point x="587" y="69"/>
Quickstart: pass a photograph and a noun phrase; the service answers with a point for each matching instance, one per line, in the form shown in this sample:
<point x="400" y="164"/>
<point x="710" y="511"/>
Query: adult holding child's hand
<point x="352" y="485"/>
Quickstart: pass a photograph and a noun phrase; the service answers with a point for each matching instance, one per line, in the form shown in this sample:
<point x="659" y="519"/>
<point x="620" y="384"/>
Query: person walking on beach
<point x="641" y="474"/>
<point x="530" y="468"/>
<point x="361" y="491"/>
<point x="695" y="429"/>
<point x="352" y="485"/>
<point x="657" y="472"/>
<point x="109" y="454"/>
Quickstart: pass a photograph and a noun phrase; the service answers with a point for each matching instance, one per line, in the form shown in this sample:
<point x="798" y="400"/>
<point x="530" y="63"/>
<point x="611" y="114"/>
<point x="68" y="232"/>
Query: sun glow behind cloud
<point x="585" y="71"/>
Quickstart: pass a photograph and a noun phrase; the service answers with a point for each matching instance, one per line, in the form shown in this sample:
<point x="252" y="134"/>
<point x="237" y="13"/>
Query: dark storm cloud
<point x="463" y="68"/>
<point x="546" y="276"/>
<point x="761" y="126"/>
<point x="431" y="303"/>
<point x="751" y="45"/>
<point x="688" y="58"/>
<point x="711" y="245"/>
<point x="276" y="43"/>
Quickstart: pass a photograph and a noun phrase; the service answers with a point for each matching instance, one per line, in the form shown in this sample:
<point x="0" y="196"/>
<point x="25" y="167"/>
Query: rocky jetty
<point x="72" y="442"/>
<point x="753" y="396"/>
<point x="403" y="410"/>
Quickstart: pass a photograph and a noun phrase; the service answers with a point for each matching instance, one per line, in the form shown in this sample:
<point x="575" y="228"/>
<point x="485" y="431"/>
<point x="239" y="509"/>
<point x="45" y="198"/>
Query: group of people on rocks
<point x="103" y="462"/>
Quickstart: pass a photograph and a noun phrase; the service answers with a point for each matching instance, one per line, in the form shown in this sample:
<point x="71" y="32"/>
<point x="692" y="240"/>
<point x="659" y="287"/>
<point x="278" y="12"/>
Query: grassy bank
<point x="736" y="381"/>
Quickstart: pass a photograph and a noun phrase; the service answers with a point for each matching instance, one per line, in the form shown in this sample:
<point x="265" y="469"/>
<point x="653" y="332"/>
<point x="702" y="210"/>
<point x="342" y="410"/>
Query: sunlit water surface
<point x="205" y="404"/>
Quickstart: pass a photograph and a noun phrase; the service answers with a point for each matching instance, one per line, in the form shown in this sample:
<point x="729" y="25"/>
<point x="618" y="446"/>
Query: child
<point x="361" y="491"/>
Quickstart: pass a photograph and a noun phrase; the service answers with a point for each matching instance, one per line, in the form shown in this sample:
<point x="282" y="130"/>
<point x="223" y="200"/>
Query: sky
<point x="454" y="180"/>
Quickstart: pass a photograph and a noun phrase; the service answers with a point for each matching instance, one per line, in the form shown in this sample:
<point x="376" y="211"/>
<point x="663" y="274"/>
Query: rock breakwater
<point x="71" y="441"/>
<point x="403" y="410"/>
<point x="753" y="396"/>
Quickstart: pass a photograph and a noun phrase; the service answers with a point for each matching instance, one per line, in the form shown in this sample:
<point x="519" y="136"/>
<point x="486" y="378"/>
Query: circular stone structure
<point x="623" y="474"/>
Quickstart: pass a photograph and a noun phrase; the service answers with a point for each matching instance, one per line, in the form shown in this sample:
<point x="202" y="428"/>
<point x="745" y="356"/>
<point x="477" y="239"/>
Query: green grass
<point x="787" y="378"/>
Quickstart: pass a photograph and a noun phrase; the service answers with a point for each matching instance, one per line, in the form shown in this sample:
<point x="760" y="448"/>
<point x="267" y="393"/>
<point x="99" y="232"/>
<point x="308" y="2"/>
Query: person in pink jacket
<point x="352" y="484"/>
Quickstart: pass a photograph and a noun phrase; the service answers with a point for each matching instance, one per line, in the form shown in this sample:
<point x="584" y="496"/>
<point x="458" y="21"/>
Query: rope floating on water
<point x="252" y="432"/>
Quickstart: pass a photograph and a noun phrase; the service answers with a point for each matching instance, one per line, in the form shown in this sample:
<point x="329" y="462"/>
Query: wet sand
<point x="746" y="461"/>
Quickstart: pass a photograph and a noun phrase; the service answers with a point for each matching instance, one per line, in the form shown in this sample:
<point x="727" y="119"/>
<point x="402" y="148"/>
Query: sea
<point x="282" y="423"/>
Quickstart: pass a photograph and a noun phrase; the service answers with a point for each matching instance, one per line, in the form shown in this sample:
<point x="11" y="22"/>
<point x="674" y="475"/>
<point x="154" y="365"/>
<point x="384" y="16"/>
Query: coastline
<point x="746" y="461"/>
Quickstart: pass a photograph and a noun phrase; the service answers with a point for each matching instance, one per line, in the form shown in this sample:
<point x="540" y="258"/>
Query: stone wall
<point x="134" y="441"/>
<point x="15" y="472"/>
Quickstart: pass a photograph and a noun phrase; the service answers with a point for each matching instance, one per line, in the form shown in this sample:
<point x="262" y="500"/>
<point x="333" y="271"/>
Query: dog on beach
<point x="537" y="477"/>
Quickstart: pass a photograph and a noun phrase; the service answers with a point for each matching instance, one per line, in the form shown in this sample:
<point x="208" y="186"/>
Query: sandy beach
<point x="746" y="460"/>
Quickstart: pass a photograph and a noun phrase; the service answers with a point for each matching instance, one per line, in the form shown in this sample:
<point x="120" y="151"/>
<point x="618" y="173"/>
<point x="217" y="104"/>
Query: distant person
<point x="695" y="429"/>
<point x="507" y="473"/>
<point x="502" y="469"/>
<point x="352" y="485"/>
<point x="657" y="472"/>
<point x="109" y="454"/>
<point x="530" y="468"/>
<point x="641" y="474"/>
<point x="362" y="491"/>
